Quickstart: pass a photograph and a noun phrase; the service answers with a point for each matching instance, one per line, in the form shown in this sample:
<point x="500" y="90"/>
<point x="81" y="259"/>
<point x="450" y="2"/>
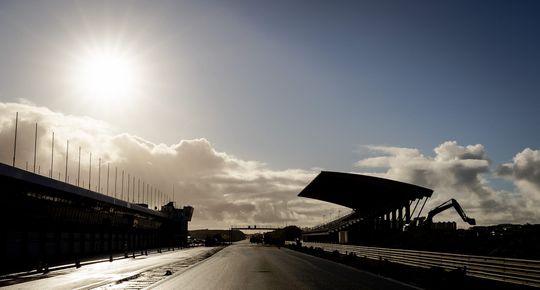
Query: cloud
<point x="228" y="190"/>
<point x="224" y="189"/>
<point x="524" y="170"/>
<point x="525" y="167"/>
<point x="462" y="172"/>
<point x="453" y="166"/>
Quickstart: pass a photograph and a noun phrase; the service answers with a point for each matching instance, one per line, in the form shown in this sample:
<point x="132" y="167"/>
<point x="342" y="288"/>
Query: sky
<point x="242" y="103"/>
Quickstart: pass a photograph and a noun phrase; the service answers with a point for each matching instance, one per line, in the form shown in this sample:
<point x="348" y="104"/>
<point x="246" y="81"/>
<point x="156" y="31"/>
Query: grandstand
<point x="378" y="205"/>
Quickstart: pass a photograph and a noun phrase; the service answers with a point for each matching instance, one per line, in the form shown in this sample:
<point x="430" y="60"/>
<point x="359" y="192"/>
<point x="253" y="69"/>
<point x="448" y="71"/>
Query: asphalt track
<point x="135" y="273"/>
<point x="248" y="266"/>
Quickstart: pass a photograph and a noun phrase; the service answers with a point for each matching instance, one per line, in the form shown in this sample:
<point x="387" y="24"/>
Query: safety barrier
<point x="517" y="271"/>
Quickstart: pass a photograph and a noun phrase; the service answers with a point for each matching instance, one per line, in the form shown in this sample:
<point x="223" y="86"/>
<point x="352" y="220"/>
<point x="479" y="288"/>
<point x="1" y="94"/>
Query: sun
<point x="106" y="76"/>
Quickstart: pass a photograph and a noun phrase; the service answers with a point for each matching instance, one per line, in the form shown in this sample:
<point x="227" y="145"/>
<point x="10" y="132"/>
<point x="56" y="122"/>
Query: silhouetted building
<point x="46" y="221"/>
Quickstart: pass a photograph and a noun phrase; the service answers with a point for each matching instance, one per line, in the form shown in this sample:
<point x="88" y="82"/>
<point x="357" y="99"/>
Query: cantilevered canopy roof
<point x="368" y="195"/>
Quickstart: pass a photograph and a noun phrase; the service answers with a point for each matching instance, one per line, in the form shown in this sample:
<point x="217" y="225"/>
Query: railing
<point x="517" y="271"/>
<point x="331" y="223"/>
<point x="256" y="227"/>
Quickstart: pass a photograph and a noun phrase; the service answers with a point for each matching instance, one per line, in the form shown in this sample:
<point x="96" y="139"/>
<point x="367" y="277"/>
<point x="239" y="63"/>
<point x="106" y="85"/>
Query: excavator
<point x="426" y="222"/>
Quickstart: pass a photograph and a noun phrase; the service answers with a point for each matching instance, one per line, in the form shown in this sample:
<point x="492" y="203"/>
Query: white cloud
<point x="524" y="167"/>
<point x="227" y="190"/>
<point x="524" y="170"/>
<point x="224" y="189"/>
<point x="461" y="172"/>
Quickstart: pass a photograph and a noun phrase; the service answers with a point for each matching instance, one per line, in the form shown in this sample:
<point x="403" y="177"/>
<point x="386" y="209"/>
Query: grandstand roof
<point x="367" y="195"/>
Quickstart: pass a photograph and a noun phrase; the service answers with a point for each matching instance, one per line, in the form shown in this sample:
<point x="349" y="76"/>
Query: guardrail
<point x="517" y="271"/>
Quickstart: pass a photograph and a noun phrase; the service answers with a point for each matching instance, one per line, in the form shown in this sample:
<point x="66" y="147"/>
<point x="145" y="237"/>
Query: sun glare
<point x="106" y="77"/>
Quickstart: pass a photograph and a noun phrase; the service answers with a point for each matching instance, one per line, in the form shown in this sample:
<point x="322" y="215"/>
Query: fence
<point x="517" y="271"/>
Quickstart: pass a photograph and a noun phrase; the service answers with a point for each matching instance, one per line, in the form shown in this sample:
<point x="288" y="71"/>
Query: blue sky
<point x="293" y="84"/>
<point x="299" y="83"/>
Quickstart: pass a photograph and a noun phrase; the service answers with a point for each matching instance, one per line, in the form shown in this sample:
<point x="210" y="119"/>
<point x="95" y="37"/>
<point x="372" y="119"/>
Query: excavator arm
<point x="446" y="205"/>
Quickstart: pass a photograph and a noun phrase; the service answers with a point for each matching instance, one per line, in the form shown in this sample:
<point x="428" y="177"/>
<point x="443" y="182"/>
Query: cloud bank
<point x="224" y="189"/>
<point x="464" y="173"/>
<point x="228" y="190"/>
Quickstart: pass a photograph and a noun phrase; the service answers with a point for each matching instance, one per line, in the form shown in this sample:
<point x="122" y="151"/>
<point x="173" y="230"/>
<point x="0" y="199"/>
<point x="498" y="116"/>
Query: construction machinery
<point x="426" y="222"/>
